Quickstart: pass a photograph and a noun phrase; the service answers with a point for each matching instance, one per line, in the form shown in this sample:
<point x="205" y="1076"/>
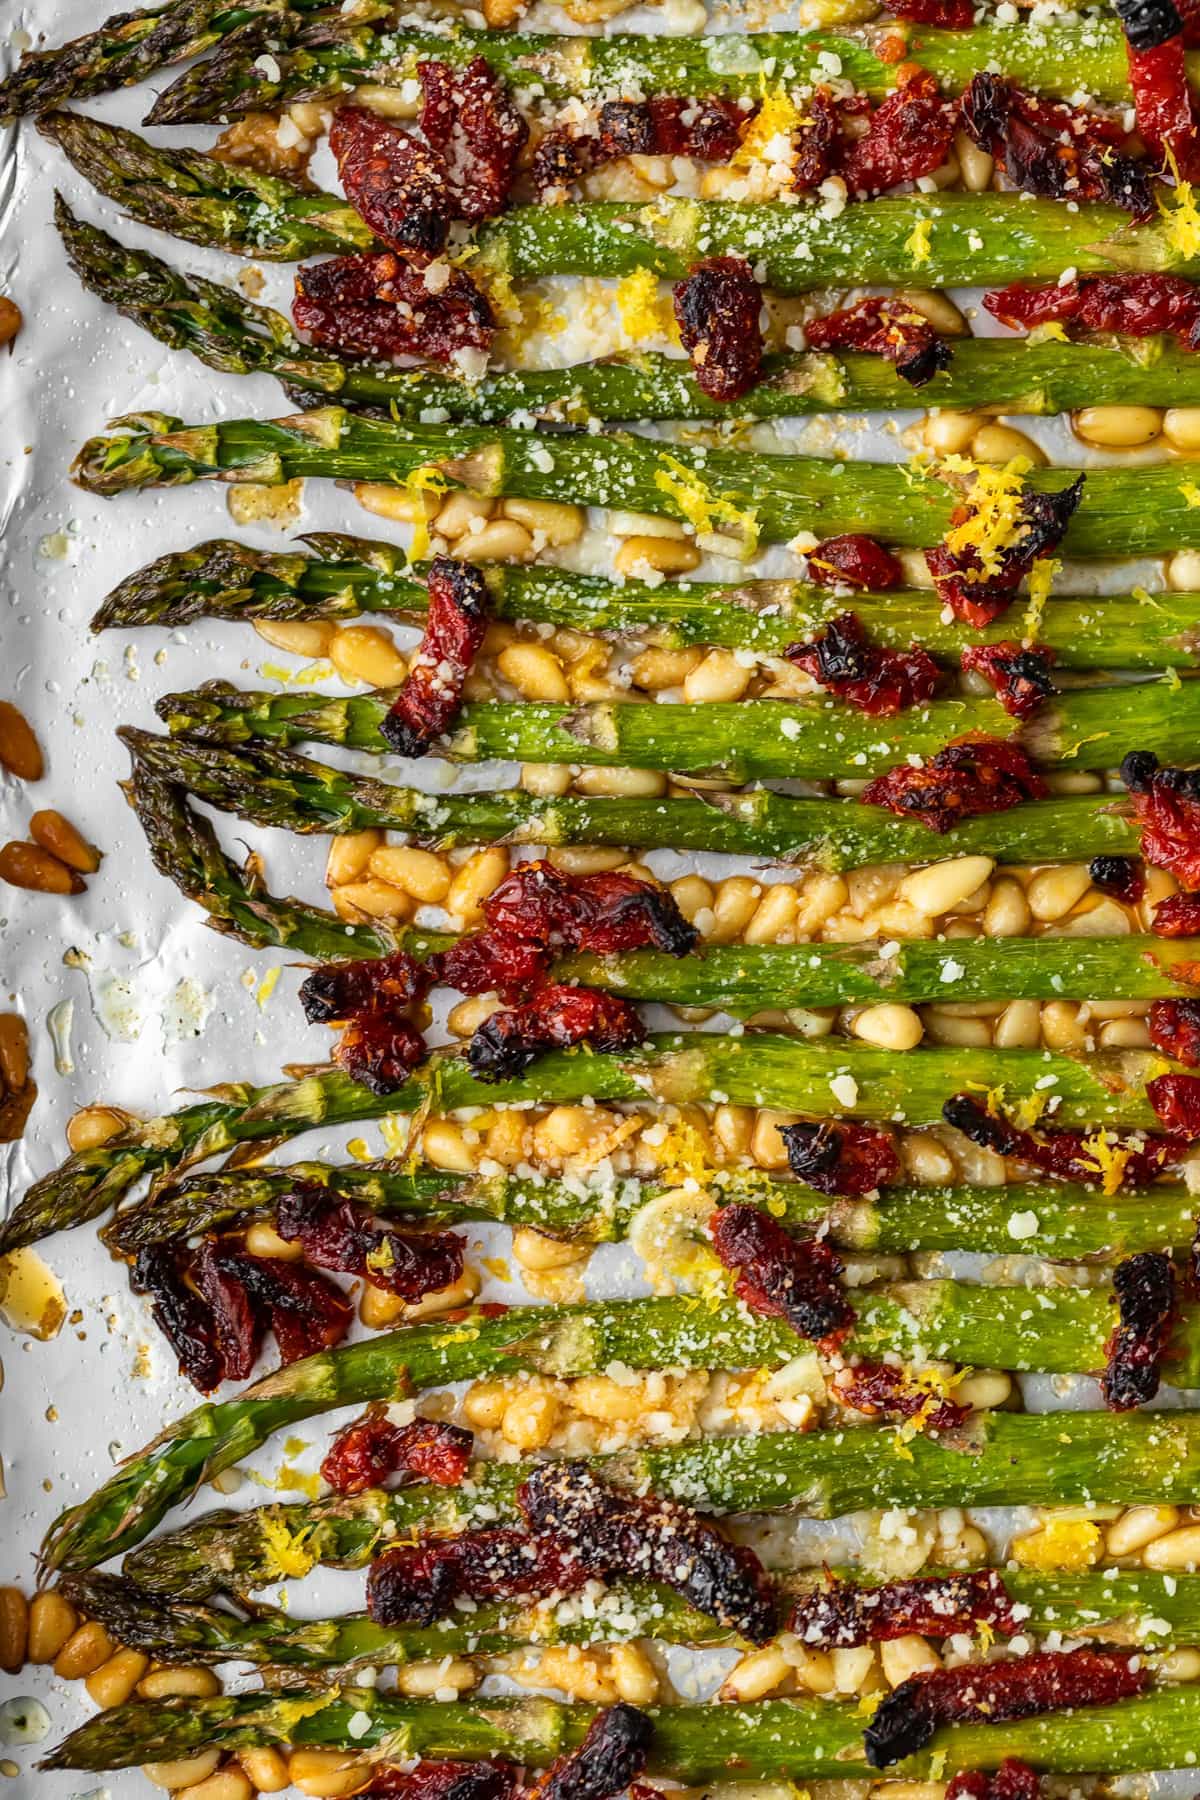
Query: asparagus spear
<point x="330" y="58"/>
<point x="793" y="1739"/>
<point x="228" y="332"/>
<point x="273" y="786"/>
<point x="745" y="740"/>
<point x="1015" y="1459"/>
<point x="1067" y="1221"/>
<point x="973" y="239"/>
<point x="1127" y="1605"/>
<point x="345" y="577"/>
<point x="762" y="497"/>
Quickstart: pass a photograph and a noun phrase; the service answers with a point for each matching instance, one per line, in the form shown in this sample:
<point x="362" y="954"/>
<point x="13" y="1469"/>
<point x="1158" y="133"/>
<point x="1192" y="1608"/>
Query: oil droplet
<point x="31" y="1295"/>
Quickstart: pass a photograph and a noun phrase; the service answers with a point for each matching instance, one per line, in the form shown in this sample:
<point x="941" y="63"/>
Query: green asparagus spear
<point x="342" y="578"/>
<point x="235" y="335"/>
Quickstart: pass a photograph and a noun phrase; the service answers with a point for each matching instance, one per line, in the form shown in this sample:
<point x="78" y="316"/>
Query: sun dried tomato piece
<point x="1069" y="1155"/>
<point x="1121" y="876"/>
<point x="459" y="610"/>
<point x="339" y="1234"/>
<point x="1175" y="1029"/>
<point x="888" y="328"/>
<point x="843" y="1614"/>
<point x="874" y="1388"/>
<point x="307" y="1313"/>
<point x="470" y="118"/>
<point x="381" y="306"/>
<point x="1162" y="95"/>
<point x="1166" y="804"/>
<point x="1047" y="1681"/>
<point x="1053" y="150"/>
<point x="342" y="990"/>
<point x="380" y="1049"/>
<point x="976" y="598"/>
<point x="1020" y="675"/>
<point x="1145" y="1290"/>
<point x="417" y="1584"/>
<point x="948" y="15"/>
<point x="717" y="308"/>
<point x="1013" y="1780"/>
<point x="782" y="1276"/>
<point x="817" y="142"/>
<point x="909" y="136"/>
<point x="365" y="1452"/>
<point x="180" y="1314"/>
<point x="557" y="1018"/>
<point x="877" y="681"/>
<point x="1131" y="305"/>
<point x="446" y="1781"/>
<point x="1177" y="916"/>
<point x="397" y="184"/>
<point x="854" y="560"/>
<point x="615" y="1750"/>
<point x="237" y="1323"/>
<point x="650" y="1539"/>
<point x="1176" y="1100"/>
<point x="972" y="775"/>
<point x="838" y="1157"/>
<point x="603" y="913"/>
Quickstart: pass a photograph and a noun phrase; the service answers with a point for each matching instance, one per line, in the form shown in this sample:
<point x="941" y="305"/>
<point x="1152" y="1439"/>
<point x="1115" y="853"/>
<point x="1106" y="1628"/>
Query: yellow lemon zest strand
<point x="702" y="508"/>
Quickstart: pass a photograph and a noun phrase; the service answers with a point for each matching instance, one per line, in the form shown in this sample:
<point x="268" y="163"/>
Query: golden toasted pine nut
<point x="20" y="752"/>
<point x="29" y="866"/>
<point x="114" y="1681"/>
<point x="182" y="1774"/>
<point x="659" y="555"/>
<point x="1118" y="427"/>
<point x="84" y="1651"/>
<point x="535" y="672"/>
<point x="299" y="637"/>
<point x="92" y="1126"/>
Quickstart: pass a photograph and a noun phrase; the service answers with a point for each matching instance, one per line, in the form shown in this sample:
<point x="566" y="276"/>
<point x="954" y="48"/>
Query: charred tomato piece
<point x="382" y="306"/>
<point x="180" y="1314"/>
<point x="397" y="184"/>
<point x="342" y="990"/>
<point x="557" y="1018"/>
<point x="613" y="1754"/>
<point x="1069" y="1155"/>
<point x="717" y="308"/>
<point x="877" y="681"/>
<point x="1121" y="876"/>
<point x="1053" y="150"/>
<point x="367" y="1451"/>
<point x="887" y="328"/>
<point x="613" y="1532"/>
<point x="844" y="1614"/>
<point x="1175" y="1029"/>
<point x="880" y="1388"/>
<point x="1131" y="305"/>
<point x="471" y="120"/>
<point x="838" y="1157"/>
<point x="338" y="1234"/>
<point x="446" y="1781"/>
<point x="854" y="560"/>
<point x="1046" y="1681"/>
<point x="1020" y="675"/>
<point x="1166" y="804"/>
<point x="977" y="596"/>
<point x="781" y="1276"/>
<point x="430" y="697"/>
<point x="973" y="775"/>
<point x="417" y="1584"/>
<point x="1145" y="1290"/>
<point x="1177" y="916"/>
<point x="909" y="136"/>
<point x="380" y="1049"/>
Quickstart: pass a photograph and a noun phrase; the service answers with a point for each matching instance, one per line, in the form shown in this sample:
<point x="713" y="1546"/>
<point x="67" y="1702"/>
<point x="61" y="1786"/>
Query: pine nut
<point x="51" y="1622"/>
<point x="417" y="872"/>
<point x="1140" y="1526"/>
<point x="719" y="677"/>
<point x="767" y="1148"/>
<point x="535" y="672"/>
<point x="325" y="1774"/>
<point x="1177" y="1550"/>
<point x="57" y="835"/>
<point x="756" y="1675"/>
<point x="463" y="515"/>
<point x="529" y="1420"/>
<point x="14" y="1052"/>
<point x="84" y="1652"/>
<point x="14" y="1630"/>
<point x="943" y="885"/>
<point x="1053" y="892"/>
<point x="1118" y="427"/>
<point x="656" y="670"/>
<point x="586" y="859"/>
<point x="976" y="165"/>
<point x="184" y="1773"/>
<point x="622" y="784"/>
<point x="266" y="1768"/>
<point x="367" y="654"/>
<point x="1007" y="912"/>
<point x="1183" y="572"/>
<point x="227" y="1784"/>
<point x="634" y="1675"/>
<point x="114" y="1681"/>
<point x="501" y="540"/>
<point x="29" y="866"/>
<point x="774" y="917"/>
<point x="656" y="555"/>
<point x="557" y="523"/>
<point x="1019" y="1026"/>
<point x="546" y="780"/>
<point x="358" y="900"/>
<point x="92" y="1126"/>
<point x="937" y="307"/>
<point x="891" y="1026"/>
<point x="350" y="856"/>
<point x="949" y="433"/>
<point x="388" y="502"/>
<point x="20" y="752"/>
<point x="473" y="881"/>
<point x="485" y="1405"/>
<point x="904" y="1656"/>
<point x="1001" y="444"/>
<point x="636" y="524"/>
<point x="310" y="638"/>
<point x="926" y="1159"/>
<point x="533" y="1250"/>
<point x="427" y="1680"/>
<point x="186" y="1683"/>
<point x="465" y="1019"/>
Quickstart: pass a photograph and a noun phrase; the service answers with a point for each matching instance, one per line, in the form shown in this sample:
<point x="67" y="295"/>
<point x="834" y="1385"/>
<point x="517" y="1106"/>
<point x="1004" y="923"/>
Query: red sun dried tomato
<point x="1175" y="1029"/>
<point x="446" y="1781"/>
<point x="417" y="1584"/>
<point x="338" y="1234"/>
<point x="180" y="1314"/>
<point x="1013" y="1780"/>
<point x="611" y="1532"/>
<point x="840" y="1615"/>
<point x="1166" y="804"/>
<point x="874" y="1388"/>
<point x="1020" y="675"/>
<point x="429" y="699"/>
<point x="970" y="776"/>
<point x="717" y="309"/>
<point x="1131" y="305"/>
<point x="909" y="136"/>
<point x="978" y="599"/>
<point x="1178" y="916"/>
<point x="877" y="681"/>
<point x="947" y="15"/>
<point x="365" y="1452"/>
<point x="342" y="990"/>
<point x="1123" y="877"/>
<point x="615" y="1750"/>
<point x="888" y="328"/>
<point x="379" y="1050"/>
<point x="1064" y="1154"/>
<point x="781" y="1276"/>
<point x="817" y="142"/>
<point x="603" y="913"/>
<point x="557" y="1018"/>
<point x="853" y="560"/>
<point x="1047" y="1681"/>
<point x="1053" y="150"/>
<point x="397" y="184"/>
<point x="471" y="120"/>
<point x="1176" y="1100"/>
<point x="1145" y="1290"/>
<point x="838" y="1157"/>
<point x="380" y="306"/>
